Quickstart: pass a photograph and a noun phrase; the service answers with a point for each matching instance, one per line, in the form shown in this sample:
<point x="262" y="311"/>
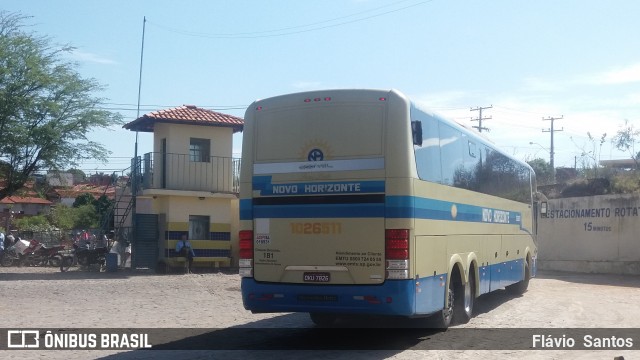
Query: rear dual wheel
<point x="459" y="305"/>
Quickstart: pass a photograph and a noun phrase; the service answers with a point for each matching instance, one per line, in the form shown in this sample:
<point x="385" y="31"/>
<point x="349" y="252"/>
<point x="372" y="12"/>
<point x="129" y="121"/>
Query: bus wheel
<point x="520" y="287"/>
<point x="323" y="319"/>
<point x="442" y="319"/>
<point x="463" y="308"/>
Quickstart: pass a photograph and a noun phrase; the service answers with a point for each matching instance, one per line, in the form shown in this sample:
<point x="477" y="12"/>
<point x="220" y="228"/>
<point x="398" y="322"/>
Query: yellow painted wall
<point x="178" y="137"/>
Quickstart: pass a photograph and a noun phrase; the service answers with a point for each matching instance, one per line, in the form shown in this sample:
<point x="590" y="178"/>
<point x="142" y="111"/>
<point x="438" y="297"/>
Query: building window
<point x="199" y="150"/>
<point x="198" y="227"/>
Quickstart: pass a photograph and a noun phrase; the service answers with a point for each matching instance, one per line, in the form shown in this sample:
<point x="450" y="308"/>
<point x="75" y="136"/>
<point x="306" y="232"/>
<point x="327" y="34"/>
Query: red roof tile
<point x="24" y="200"/>
<point x="186" y="114"/>
<point x="80" y="189"/>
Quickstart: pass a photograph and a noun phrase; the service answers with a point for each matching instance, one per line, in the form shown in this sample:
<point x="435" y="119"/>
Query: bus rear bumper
<point x="394" y="297"/>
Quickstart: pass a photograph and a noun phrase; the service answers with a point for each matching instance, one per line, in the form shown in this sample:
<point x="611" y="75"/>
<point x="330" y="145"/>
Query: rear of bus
<point x="316" y="169"/>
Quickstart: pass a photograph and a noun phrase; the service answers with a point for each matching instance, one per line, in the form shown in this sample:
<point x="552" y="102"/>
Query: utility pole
<point x="135" y="165"/>
<point x="480" y="118"/>
<point x="552" y="152"/>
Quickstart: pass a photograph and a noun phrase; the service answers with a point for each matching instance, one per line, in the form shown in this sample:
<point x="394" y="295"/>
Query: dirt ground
<point x="48" y="298"/>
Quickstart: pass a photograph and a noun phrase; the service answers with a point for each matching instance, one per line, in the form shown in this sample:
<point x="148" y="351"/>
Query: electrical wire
<point x="288" y="30"/>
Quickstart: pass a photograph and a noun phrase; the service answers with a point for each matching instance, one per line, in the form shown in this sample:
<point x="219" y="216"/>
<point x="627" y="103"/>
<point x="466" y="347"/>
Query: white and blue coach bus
<point x="360" y="202"/>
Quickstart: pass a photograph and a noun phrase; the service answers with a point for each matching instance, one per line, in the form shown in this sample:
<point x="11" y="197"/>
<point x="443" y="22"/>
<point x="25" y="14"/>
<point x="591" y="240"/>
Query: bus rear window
<point x="333" y="132"/>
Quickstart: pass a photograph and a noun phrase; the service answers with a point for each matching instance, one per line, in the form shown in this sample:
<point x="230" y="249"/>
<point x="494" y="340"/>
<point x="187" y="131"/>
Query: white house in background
<point x="59" y="179"/>
<point x="29" y="206"/>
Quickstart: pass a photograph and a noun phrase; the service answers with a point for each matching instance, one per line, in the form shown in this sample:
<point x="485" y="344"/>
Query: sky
<point x="577" y="60"/>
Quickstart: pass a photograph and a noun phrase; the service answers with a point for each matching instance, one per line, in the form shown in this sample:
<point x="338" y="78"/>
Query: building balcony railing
<point x="182" y="172"/>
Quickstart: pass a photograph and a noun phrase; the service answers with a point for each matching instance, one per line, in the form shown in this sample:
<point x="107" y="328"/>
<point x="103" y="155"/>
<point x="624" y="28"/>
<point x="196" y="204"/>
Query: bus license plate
<point x="316" y="277"/>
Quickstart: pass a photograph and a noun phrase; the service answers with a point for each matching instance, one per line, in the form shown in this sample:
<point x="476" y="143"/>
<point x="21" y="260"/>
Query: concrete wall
<point x="599" y="234"/>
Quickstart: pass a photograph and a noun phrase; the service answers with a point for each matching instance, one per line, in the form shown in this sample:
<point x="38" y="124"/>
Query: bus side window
<point x="453" y="150"/>
<point x="416" y="131"/>
<point x="427" y="155"/>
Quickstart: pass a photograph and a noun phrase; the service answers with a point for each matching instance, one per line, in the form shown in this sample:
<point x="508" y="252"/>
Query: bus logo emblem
<point x="315" y="155"/>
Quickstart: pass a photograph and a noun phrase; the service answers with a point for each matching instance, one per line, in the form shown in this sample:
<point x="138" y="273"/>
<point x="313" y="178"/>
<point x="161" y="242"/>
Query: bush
<point x="625" y="183"/>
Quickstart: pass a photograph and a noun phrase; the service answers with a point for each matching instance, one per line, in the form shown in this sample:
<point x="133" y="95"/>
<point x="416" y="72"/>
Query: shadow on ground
<point x="593" y="279"/>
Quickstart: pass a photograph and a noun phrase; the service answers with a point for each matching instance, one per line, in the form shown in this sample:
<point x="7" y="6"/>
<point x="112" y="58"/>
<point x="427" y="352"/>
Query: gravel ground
<point x="48" y="298"/>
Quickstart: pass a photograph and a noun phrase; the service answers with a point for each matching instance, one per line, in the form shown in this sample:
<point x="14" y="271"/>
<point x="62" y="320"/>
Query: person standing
<point x="1" y="243"/>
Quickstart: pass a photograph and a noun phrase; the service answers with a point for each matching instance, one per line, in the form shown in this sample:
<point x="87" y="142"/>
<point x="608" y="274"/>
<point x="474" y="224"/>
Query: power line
<point x="291" y="30"/>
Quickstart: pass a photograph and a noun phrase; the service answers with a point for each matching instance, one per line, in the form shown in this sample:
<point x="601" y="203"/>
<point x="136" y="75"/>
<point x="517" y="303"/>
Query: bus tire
<point x="464" y="298"/>
<point x="442" y="319"/>
<point x="323" y="319"/>
<point x="521" y="286"/>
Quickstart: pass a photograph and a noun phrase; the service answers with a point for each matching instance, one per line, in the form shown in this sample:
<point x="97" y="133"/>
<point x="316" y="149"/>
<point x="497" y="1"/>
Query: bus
<point x="361" y="202"/>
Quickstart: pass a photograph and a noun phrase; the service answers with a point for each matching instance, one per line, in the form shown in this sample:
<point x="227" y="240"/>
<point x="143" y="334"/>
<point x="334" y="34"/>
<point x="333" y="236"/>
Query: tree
<point x="84" y="199"/>
<point x="104" y="206"/>
<point x="625" y="140"/>
<point x="78" y="175"/>
<point x="62" y="217"/>
<point x="38" y="222"/>
<point x="86" y="217"/>
<point x="46" y="108"/>
<point x="543" y="170"/>
<point x="590" y="159"/>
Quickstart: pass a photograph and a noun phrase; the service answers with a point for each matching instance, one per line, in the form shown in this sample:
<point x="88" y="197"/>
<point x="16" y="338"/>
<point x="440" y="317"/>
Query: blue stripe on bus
<point x="395" y="207"/>
<point x="265" y="186"/>
<point x="402" y="207"/>
<point x="246" y="209"/>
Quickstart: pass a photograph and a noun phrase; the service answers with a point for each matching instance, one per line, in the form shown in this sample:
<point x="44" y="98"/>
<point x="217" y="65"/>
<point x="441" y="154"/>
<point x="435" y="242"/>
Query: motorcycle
<point x="42" y="255"/>
<point x="10" y="257"/>
<point x="85" y="256"/>
<point x="17" y="252"/>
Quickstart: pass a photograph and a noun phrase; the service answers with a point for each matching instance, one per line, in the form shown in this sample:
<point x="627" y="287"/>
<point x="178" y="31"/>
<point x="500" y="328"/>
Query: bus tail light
<point x="246" y="253"/>
<point x="397" y="253"/>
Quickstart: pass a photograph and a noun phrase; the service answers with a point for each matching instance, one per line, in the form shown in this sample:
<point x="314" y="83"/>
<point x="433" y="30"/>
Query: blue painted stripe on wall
<point x="214" y="235"/>
<point x="175" y="235"/>
<point x="220" y="235"/>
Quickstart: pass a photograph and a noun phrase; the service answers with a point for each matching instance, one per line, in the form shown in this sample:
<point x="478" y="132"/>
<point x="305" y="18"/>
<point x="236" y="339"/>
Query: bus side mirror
<point x="543" y="209"/>
<point x="416" y="131"/>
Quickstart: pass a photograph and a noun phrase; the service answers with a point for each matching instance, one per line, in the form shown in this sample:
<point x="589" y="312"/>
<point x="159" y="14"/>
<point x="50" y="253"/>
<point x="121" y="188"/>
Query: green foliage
<point x="626" y="183"/>
<point x="78" y="175"/>
<point x="63" y="217"/>
<point x="103" y="208"/>
<point x="86" y="217"/>
<point x="46" y="108"/>
<point x="590" y="155"/>
<point x="33" y="223"/>
<point x="543" y="170"/>
<point x="84" y="199"/>
<point x="625" y="140"/>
